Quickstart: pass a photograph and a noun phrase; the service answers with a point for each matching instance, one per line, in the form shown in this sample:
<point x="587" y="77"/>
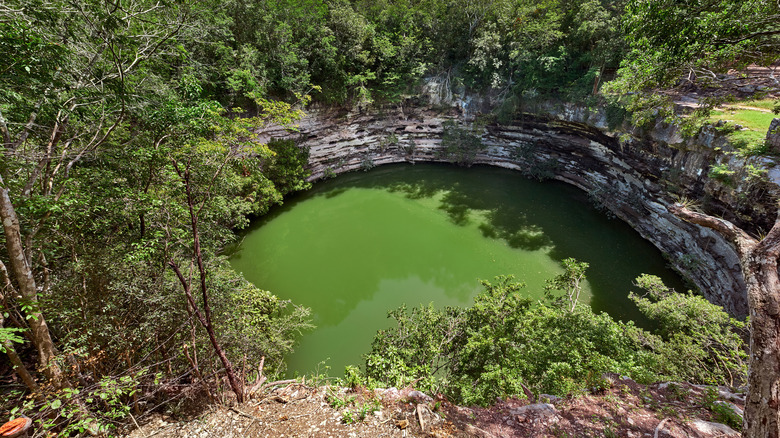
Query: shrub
<point x="503" y="343"/>
<point x="698" y="341"/>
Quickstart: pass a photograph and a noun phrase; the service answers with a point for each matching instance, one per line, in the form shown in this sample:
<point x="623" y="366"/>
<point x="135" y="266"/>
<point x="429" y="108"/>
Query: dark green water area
<point x="356" y="246"/>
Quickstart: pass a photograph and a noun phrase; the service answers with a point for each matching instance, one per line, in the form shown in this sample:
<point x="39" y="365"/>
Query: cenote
<point x="356" y="246"/>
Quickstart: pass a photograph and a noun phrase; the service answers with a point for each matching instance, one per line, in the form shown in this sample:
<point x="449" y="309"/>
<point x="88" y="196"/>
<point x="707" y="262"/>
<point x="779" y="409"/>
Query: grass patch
<point x="767" y="104"/>
<point x="749" y="141"/>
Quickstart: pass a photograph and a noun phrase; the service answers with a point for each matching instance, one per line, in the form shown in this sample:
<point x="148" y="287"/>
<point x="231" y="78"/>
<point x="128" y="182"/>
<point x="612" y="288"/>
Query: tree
<point x="204" y="317"/>
<point x="570" y="282"/>
<point x="683" y="44"/>
<point x="506" y="346"/>
<point x="759" y="262"/>
<point x="67" y="88"/>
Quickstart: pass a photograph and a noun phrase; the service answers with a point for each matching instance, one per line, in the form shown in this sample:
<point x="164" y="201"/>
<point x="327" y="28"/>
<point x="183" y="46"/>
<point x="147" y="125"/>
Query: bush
<point x="503" y="343"/>
<point x="699" y="341"/>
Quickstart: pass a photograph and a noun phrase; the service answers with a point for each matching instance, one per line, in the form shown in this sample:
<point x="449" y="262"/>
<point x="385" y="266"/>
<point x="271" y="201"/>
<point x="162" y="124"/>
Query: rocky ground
<point x="754" y="81"/>
<point x="626" y="409"/>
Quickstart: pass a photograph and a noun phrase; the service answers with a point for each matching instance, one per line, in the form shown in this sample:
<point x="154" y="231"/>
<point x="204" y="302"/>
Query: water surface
<point x="354" y="247"/>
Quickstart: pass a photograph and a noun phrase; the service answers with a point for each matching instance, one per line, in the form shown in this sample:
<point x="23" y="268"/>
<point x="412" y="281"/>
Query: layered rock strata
<point x="633" y="175"/>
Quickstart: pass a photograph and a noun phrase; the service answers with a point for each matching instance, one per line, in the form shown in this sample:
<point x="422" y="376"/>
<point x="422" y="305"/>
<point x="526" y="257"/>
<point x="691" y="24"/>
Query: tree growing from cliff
<point x="759" y="263"/>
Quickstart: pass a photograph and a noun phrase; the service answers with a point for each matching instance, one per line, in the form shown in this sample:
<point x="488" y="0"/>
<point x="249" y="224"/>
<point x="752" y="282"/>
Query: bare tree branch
<point x="742" y="240"/>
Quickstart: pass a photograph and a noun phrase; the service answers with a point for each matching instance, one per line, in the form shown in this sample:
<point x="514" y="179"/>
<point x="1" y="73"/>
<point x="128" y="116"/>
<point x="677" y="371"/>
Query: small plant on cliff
<point x="385" y="142"/>
<point x="460" y="145"/>
<point x="722" y="172"/>
<point x="367" y="164"/>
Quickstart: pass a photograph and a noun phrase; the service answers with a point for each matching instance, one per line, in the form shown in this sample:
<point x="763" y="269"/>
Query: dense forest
<point x="130" y="158"/>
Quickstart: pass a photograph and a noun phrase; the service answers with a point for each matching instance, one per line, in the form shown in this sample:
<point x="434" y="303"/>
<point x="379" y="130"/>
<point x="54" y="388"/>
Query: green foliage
<point x="96" y="105"/>
<point x="360" y="51"/>
<point x="94" y="410"/>
<point x="676" y="392"/>
<point x="700" y="341"/>
<point x="9" y="335"/>
<point x="722" y="173"/>
<point x="570" y="283"/>
<point x="286" y="168"/>
<point x="352" y="378"/>
<point x="503" y="342"/>
<point x="348" y="417"/>
<point x="616" y="114"/>
<point x="255" y="323"/>
<point x="674" y="44"/>
<point x="668" y="38"/>
<point x="722" y="411"/>
<point x="360" y="411"/>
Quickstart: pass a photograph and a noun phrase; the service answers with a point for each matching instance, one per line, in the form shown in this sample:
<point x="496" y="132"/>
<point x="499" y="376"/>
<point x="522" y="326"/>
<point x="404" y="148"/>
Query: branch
<point x="747" y="37"/>
<point x="186" y="285"/>
<point x="742" y="240"/>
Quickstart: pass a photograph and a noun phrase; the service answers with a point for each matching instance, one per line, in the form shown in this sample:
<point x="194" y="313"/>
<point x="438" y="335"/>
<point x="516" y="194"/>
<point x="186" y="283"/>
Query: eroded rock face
<point x="629" y="173"/>
<point x="773" y="136"/>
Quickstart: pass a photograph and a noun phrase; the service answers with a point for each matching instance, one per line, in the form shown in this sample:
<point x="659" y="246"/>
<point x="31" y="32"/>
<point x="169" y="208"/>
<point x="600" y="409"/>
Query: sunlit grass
<point x="768" y="104"/>
<point x="750" y="140"/>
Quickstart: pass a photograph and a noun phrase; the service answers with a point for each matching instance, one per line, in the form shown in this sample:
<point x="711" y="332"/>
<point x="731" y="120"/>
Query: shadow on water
<point x="352" y="255"/>
<point x="502" y="204"/>
<point x="504" y="214"/>
<point x="530" y="215"/>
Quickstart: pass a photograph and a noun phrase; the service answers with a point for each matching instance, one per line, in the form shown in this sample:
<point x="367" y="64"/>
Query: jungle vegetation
<point x="129" y="159"/>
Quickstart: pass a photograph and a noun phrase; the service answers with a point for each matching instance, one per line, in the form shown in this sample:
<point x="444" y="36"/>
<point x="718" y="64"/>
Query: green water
<point x="354" y="247"/>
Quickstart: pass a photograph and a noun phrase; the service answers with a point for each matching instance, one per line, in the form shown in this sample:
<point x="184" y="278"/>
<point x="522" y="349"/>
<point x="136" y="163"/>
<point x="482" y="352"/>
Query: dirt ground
<point x="627" y="409"/>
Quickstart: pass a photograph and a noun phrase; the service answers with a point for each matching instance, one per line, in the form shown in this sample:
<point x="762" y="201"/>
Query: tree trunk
<point x="205" y="316"/>
<point x="16" y="361"/>
<point x="762" y="406"/>
<point x="22" y="271"/>
<point x="759" y="262"/>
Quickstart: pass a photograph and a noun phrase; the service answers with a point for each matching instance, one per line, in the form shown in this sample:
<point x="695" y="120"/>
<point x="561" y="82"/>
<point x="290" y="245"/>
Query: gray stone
<point x="547" y="398"/>
<point x="389" y="394"/>
<point x="773" y="135"/>
<point x="750" y="88"/>
<point x="713" y="429"/>
<point x="541" y="409"/>
<point x="419" y="397"/>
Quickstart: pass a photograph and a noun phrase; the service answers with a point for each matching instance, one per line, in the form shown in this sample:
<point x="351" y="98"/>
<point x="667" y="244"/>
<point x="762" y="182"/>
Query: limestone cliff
<point x="633" y="173"/>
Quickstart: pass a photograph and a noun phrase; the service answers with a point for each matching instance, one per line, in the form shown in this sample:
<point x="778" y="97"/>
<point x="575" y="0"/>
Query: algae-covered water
<point x="361" y="244"/>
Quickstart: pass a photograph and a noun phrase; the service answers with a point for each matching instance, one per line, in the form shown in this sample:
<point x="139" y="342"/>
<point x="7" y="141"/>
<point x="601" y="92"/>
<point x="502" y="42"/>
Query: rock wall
<point x="630" y="174"/>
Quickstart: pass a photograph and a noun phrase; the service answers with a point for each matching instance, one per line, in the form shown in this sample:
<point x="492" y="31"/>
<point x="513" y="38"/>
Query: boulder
<point x="710" y="429"/>
<point x="773" y="136"/>
<point x="538" y="410"/>
<point x="419" y="397"/>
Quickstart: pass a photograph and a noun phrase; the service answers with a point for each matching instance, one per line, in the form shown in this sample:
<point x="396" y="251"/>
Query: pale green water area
<point x="354" y="247"/>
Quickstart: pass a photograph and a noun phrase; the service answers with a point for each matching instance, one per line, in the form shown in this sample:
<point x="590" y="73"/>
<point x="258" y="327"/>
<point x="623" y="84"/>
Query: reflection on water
<point x="365" y="243"/>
